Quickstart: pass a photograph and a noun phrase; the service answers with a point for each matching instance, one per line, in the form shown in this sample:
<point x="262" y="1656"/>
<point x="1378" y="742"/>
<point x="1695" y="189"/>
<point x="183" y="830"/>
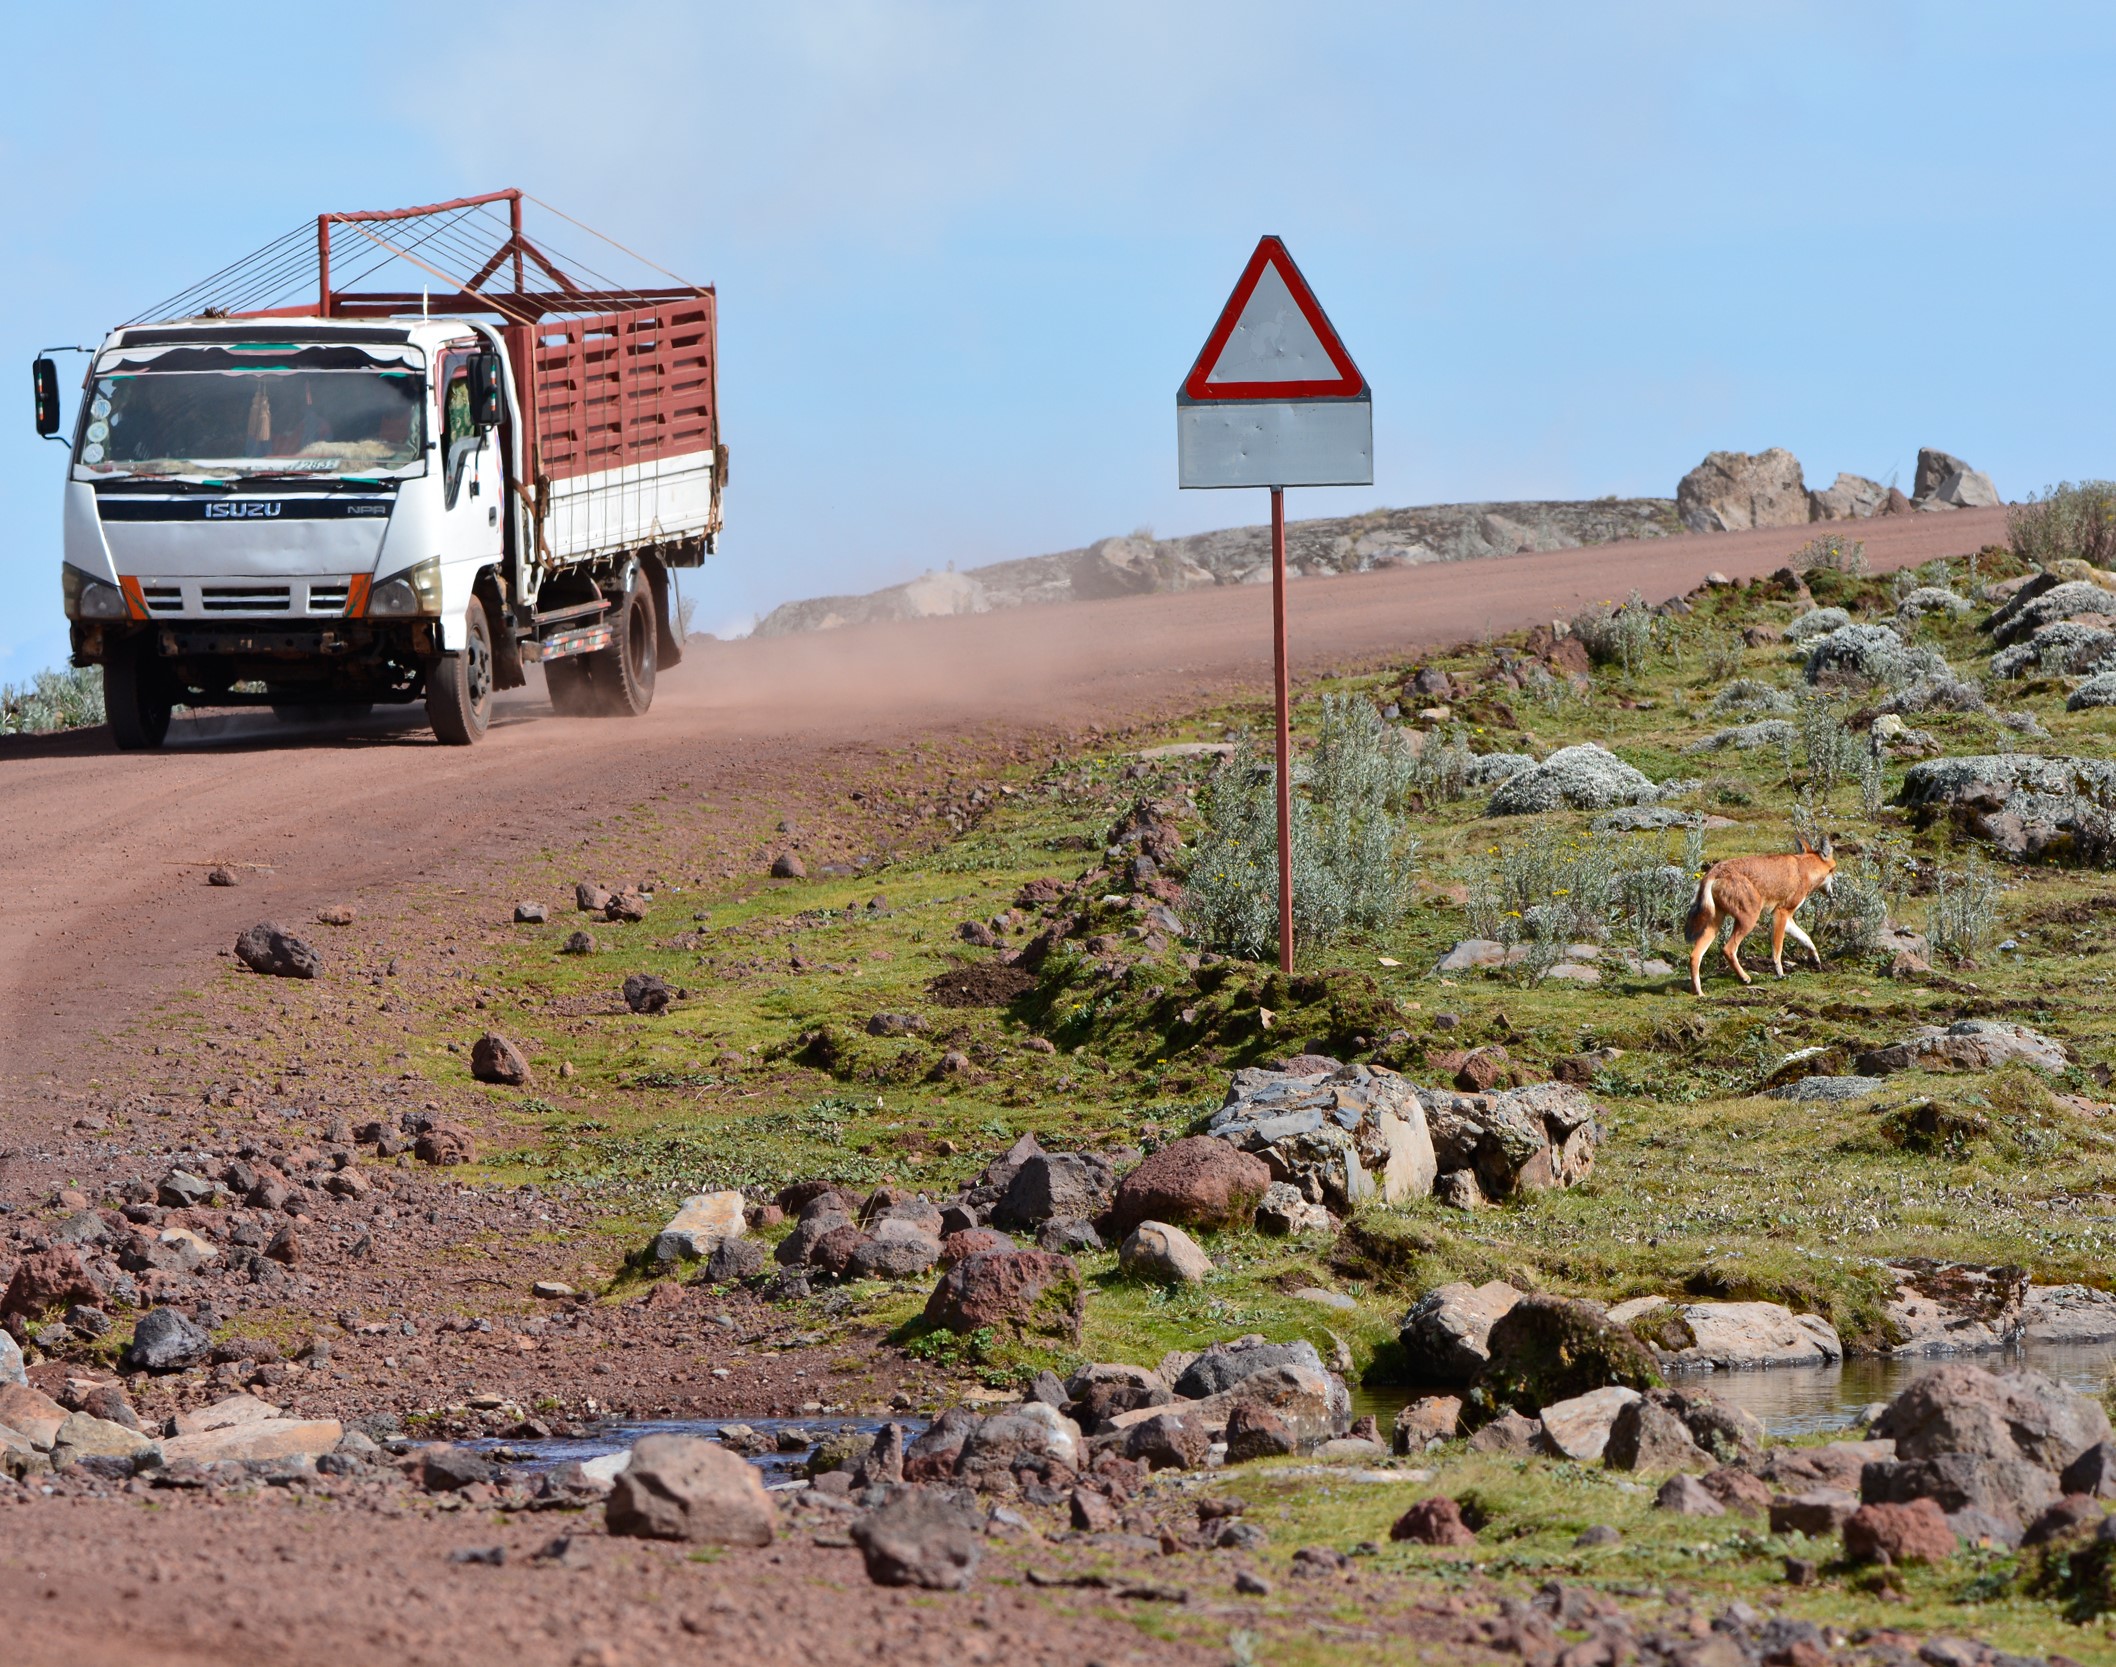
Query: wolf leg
<point x="1807" y="943"/>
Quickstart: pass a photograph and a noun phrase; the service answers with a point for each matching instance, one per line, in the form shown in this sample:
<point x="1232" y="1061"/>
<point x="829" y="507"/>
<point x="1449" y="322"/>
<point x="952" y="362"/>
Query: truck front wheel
<point x="459" y="687"/>
<point x="137" y="699"/>
<point x="623" y="673"/>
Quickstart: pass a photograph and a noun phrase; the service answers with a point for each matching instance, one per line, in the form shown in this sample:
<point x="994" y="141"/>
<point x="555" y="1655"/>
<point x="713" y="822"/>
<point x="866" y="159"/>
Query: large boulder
<point x="2007" y="1492"/>
<point x="1197" y="1181"/>
<point x="256" y="1439"/>
<point x="1224" y="1365"/>
<point x="1310" y="1405"/>
<point x="1134" y="566"/>
<point x="1049" y="1184"/>
<point x="1733" y="491"/>
<point x="1526" y="1139"/>
<point x="1547" y="1349"/>
<point x="677" y="1487"/>
<point x="1966" y="1045"/>
<point x="12" y="1371"/>
<point x="1587" y="776"/>
<point x="165" y="1340"/>
<point x="1164" y="1255"/>
<point x="1032" y="1432"/>
<point x="2025" y="806"/>
<point x="1025" y="1292"/>
<point x="1741" y="1336"/>
<point x="495" y="1059"/>
<point x="822" y="1218"/>
<point x="2065" y="647"/>
<point x="49" y="1278"/>
<point x="1848" y="498"/>
<point x="920" y="1538"/>
<point x="1579" y="1427"/>
<point x="1446" y="1335"/>
<point x="2046" y="601"/>
<point x="1944" y="482"/>
<point x="277" y="953"/>
<point x="1341" y="1137"/>
<point x="1958" y="1408"/>
<point x="700" y="1225"/>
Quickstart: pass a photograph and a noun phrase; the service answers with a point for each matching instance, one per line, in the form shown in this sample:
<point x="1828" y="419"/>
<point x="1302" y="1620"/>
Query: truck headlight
<point x="414" y="593"/>
<point x="92" y="598"/>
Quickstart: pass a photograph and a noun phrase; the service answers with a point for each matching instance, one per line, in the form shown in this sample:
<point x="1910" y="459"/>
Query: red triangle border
<point x="1347" y="384"/>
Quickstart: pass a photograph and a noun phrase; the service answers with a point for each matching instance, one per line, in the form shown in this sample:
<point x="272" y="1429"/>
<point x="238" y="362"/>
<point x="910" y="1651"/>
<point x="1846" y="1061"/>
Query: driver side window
<point x="460" y="440"/>
<point x="455" y="401"/>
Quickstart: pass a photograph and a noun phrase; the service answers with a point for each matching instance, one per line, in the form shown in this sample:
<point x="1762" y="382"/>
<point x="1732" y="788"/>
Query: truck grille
<point x="325" y="596"/>
<point x="245" y="599"/>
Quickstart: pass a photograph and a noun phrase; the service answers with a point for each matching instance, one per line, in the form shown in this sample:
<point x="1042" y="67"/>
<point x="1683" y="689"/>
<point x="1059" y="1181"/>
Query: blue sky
<point x="965" y="252"/>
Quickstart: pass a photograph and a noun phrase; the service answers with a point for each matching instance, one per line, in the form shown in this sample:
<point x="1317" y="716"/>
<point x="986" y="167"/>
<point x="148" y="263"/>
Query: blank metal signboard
<point x="1274" y="399"/>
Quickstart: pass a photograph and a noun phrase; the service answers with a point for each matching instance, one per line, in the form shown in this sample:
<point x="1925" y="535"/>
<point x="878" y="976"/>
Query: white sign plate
<point x="1274" y="399"/>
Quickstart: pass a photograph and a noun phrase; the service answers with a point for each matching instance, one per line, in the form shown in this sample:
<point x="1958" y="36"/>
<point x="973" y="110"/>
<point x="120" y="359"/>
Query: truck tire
<point x="623" y="673"/>
<point x="571" y="685"/>
<point x="137" y="699"/>
<point x="459" y="687"/>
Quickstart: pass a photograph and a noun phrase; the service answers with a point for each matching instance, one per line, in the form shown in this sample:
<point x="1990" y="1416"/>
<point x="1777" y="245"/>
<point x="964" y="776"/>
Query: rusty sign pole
<point x="1281" y="689"/>
<point x="1274" y="400"/>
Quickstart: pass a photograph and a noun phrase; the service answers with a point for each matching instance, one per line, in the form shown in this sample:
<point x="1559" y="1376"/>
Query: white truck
<point x="375" y="498"/>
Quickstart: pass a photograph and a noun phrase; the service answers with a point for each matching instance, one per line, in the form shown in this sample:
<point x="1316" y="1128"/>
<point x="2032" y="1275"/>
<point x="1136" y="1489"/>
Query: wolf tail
<point x="1702" y="907"/>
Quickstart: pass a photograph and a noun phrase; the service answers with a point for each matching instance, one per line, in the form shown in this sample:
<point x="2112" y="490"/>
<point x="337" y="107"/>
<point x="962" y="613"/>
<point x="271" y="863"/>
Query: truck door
<point x="473" y="479"/>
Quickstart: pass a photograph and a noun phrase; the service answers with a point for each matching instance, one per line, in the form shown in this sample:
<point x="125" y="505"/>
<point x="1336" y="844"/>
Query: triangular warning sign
<point x="1272" y="340"/>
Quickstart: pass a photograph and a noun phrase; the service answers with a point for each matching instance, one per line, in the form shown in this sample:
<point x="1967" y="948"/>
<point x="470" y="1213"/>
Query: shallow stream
<point x="1791" y="1401"/>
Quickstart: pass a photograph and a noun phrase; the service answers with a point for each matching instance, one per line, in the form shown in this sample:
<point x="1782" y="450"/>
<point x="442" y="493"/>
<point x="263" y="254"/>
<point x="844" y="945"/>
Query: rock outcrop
<point x="1733" y="491"/>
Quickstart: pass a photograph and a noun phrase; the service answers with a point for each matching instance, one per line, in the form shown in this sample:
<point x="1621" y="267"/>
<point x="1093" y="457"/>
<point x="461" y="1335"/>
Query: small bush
<point x="1549" y="879"/>
<point x="1832" y="751"/>
<point x="1831" y="553"/>
<point x="1964" y="919"/>
<point x="1749" y="694"/>
<point x="1617" y="636"/>
<point x="54" y="700"/>
<point x="1353" y="857"/>
<point x="2067" y="522"/>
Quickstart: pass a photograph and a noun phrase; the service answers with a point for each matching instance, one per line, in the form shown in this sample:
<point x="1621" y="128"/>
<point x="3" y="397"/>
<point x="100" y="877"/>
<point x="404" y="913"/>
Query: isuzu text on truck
<point x="375" y="497"/>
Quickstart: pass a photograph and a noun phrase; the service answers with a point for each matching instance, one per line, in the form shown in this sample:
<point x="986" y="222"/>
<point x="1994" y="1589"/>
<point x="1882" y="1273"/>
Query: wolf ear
<point x="1825" y="852"/>
<point x="1800" y="842"/>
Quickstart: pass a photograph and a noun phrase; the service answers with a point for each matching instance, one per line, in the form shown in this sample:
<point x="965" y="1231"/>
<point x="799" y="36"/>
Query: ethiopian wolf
<point x="1741" y="888"/>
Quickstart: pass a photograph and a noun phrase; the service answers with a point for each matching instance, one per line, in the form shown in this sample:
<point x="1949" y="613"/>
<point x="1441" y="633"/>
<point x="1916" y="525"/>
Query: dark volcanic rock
<point x="920" y="1538"/>
<point x="1023" y="1291"/>
<point x="277" y="953"/>
<point x="166" y="1341"/>
<point x="1198" y="1181"/>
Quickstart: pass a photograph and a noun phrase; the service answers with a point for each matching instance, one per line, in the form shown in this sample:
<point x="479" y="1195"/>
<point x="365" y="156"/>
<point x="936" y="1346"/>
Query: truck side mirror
<point x="488" y="402"/>
<point x="44" y="373"/>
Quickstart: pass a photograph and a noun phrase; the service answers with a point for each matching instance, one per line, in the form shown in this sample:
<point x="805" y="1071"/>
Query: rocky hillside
<point x="1727" y="492"/>
<point x="1242" y="555"/>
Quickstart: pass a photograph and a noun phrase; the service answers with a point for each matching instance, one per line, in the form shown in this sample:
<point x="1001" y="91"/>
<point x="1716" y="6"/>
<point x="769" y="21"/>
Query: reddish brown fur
<point x="1740" y="889"/>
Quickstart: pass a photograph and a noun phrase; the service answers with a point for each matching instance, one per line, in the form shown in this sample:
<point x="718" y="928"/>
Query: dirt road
<point x="106" y="906"/>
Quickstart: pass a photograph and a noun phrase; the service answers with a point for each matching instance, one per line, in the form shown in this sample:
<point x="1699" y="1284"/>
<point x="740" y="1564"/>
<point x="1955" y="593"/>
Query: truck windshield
<point x="216" y="411"/>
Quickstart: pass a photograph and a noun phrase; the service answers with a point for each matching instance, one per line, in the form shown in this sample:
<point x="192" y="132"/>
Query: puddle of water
<point x="1790" y="1400"/>
<point x="1804" y="1400"/>
<point x="534" y="1457"/>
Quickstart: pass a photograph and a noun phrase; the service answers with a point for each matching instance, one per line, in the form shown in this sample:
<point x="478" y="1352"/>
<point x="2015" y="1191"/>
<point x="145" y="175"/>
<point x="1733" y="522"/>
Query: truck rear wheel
<point x="571" y="685"/>
<point x="623" y="673"/>
<point x="459" y="688"/>
<point x="137" y="699"/>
